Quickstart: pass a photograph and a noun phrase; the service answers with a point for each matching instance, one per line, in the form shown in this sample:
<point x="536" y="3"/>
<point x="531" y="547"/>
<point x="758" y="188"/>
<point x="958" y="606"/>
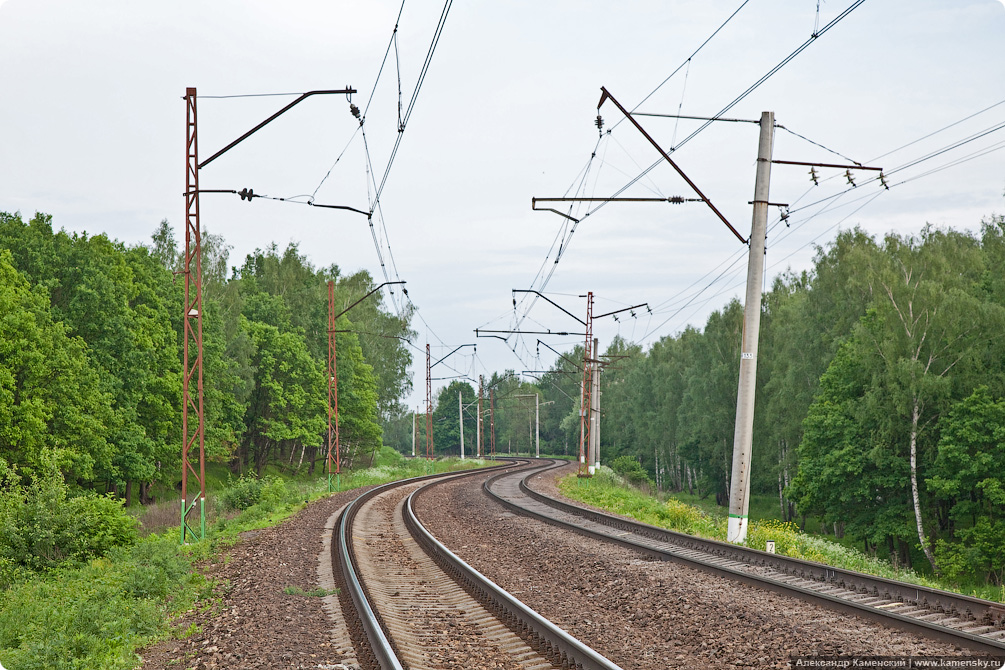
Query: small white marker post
<point x="770" y="546"/>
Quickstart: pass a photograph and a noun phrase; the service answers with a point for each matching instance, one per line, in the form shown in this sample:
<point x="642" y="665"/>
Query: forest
<point x="880" y="403"/>
<point x="880" y="407"/>
<point x="90" y="359"/>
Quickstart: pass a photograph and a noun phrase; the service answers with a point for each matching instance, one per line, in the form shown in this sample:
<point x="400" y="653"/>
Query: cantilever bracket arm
<point x="618" y="311"/>
<point x="541" y="295"/>
<point x="563" y="356"/>
<point x="498" y="337"/>
<point x="563" y="333"/>
<point x="345" y="91"/>
<point x="351" y="209"/>
<point x="605" y="96"/>
<point x="452" y="352"/>
<point x="374" y="290"/>
<point x="533" y="206"/>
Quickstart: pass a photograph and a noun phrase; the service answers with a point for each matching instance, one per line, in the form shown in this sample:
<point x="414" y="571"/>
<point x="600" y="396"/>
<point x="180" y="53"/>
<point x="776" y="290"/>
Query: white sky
<point x="92" y="131"/>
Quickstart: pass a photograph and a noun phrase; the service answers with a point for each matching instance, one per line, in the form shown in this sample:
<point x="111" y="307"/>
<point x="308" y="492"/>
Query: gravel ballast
<point x="639" y="612"/>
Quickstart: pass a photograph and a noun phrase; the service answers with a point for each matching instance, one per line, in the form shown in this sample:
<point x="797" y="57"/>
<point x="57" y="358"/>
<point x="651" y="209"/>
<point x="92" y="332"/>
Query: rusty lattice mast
<point x="192" y="373"/>
<point x="333" y="438"/>
<point x="192" y="415"/>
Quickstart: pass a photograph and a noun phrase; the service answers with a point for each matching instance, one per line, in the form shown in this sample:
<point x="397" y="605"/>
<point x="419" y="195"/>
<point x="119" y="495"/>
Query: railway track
<point x="420" y="606"/>
<point x="968" y="622"/>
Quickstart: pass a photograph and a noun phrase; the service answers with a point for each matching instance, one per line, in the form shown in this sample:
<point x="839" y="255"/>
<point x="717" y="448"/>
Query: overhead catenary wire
<point x="687" y="60"/>
<point x="566" y="239"/>
<point x="785" y="61"/>
<point x="415" y="94"/>
<point x="829" y="202"/>
<point x="871" y="197"/>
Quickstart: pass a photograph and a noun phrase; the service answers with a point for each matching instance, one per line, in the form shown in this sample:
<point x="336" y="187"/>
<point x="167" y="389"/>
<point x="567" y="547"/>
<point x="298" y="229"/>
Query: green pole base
<point x="188" y="530"/>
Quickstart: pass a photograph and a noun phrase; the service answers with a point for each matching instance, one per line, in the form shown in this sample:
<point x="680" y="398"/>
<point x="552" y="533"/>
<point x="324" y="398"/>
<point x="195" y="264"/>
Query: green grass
<point x="97" y="614"/>
<point x="607" y="491"/>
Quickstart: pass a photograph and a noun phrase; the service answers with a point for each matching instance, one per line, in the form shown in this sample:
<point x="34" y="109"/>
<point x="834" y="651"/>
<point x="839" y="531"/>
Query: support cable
<point x="785" y="61"/>
<point x="415" y="94"/>
<point x="683" y="307"/>
<point x="695" y="53"/>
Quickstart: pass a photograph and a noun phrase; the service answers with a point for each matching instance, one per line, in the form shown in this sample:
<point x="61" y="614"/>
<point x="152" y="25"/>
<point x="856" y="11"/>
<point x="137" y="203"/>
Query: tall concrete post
<point x="537" y="425"/>
<point x="739" y="489"/>
<point x="415" y="417"/>
<point x="460" y="419"/>
<point x="478" y="446"/>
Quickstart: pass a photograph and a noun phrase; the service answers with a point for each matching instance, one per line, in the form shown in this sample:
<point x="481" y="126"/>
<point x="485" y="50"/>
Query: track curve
<point x="969" y="622"/>
<point x="422" y="607"/>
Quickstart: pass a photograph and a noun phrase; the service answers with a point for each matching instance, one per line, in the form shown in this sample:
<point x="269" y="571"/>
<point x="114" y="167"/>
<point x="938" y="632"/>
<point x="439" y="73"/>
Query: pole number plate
<point x="747" y="356"/>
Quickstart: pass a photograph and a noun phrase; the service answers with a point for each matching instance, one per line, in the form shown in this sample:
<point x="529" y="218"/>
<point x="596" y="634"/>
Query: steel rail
<point x="380" y="645"/>
<point x="563" y="648"/>
<point x="536" y="630"/>
<point x="712" y="556"/>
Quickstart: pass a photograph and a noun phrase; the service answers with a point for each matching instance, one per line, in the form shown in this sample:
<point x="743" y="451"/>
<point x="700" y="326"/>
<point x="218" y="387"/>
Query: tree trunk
<point x="303" y="449"/>
<point x="915" y="415"/>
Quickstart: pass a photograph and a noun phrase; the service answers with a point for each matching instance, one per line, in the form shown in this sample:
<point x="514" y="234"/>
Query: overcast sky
<point x="92" y="128"/>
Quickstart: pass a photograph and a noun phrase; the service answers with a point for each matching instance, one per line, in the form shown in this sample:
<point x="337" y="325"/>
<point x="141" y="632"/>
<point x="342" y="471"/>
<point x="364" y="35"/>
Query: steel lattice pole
<point x="333" y="433"/>
<point x="192" y="367"/>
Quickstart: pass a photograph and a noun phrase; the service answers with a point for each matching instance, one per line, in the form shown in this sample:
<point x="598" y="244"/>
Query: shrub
<point x="242" y="494"/>
<point x="682" y="517"/>
<point x="274" y="492"/>
<point x="42" y="526"/>
<point x="95" y="614"/>
<point x="155" y="567"/>
<point x="629" y="468"/>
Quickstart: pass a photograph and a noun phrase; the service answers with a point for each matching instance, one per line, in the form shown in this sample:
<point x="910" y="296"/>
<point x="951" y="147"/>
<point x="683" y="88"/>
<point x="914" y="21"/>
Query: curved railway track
<point x="420" y="606"/>
<point x="962" y="620"/>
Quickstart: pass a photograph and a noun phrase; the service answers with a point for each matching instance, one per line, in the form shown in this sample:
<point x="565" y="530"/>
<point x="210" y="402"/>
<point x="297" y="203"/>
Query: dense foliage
<point x="90" y="358"/>
<point x="880" y="407"/>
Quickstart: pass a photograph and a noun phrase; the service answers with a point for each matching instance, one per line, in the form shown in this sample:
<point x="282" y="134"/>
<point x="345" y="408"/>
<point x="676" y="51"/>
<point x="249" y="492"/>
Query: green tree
<point x="446" y="424"/>
<point x="285" y="409"/>
<point x="53" y="410"/>
<point x="926" y="319"/>
<point x="847" y="472"/>
<point x="969" y="474"/>
<point x="708" y="405"/>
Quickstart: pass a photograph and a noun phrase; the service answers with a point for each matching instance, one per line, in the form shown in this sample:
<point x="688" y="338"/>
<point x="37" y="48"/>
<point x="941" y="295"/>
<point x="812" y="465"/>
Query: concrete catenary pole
<point x="537" y="425"/>
<point x="739" y="489"/>
<point x="415" y="417"/>
<point x="478" y="446"/>
<point x="460" y="419"/>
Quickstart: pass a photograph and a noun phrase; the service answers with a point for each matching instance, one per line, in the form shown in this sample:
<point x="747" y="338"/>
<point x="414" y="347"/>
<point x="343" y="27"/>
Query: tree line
<point x="880" y="399"/>
<point x="90" y="357"/>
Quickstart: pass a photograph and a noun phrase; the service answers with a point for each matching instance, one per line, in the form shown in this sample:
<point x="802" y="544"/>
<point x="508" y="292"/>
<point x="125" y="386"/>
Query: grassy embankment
<point x="95" y="613"/>
<point x="608" y="491"/>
